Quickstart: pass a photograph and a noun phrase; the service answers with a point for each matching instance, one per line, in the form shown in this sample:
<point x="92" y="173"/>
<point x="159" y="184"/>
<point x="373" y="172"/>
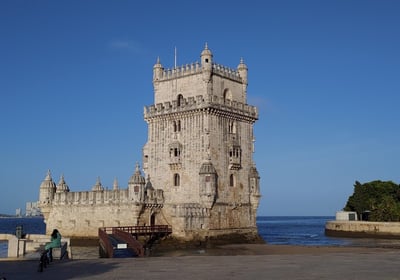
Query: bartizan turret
<point x="136" y="186"/>
<point x="46" y="195"/>
<point x="47" y="190"/>
<point x="208" y="184"/>
<point x="206" y="63"/>
<point x="157" y="71"/>
<point x="98" y="187"/>
<point x="62" y="186"/>
<point x="255" y="195"/>
<point x="242" y="69"/>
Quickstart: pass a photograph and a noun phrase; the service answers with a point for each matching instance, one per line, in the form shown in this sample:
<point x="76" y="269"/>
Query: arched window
<point x="231" y="180"/>
<point x="177" y="180"/>
<point x="232" y="127"/>
<point x="180" y="100"/>
<point x="227" y="95"/>
<point x="177" y="125"/>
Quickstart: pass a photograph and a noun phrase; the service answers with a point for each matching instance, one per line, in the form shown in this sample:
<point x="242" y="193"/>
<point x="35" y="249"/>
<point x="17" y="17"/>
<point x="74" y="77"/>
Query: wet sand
<point x="242" y="261"/>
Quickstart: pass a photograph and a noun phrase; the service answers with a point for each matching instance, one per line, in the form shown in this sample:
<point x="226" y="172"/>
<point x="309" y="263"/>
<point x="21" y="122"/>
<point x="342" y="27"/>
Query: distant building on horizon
<point x="32" y="209"/>
<point x="199" y="174"/>
<point x="18" y="212"/>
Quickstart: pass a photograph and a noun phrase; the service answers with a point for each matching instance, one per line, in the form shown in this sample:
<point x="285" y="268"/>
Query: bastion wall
<point x="363" y="229"/>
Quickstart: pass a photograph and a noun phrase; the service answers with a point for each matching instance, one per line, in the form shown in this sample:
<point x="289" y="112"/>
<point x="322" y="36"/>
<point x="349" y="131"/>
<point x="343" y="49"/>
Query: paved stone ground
<point x="367" y="264"/>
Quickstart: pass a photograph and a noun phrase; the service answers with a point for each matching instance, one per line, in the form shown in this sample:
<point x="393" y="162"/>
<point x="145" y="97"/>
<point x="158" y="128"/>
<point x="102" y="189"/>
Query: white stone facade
<point x="198" y="162"/>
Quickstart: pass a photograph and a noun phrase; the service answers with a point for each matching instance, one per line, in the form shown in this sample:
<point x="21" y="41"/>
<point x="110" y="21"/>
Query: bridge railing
<point x="140" y="229"/>
<point x="106" y="243"/>
<point x="127" y="233"/>
<point x="130" y="240"/>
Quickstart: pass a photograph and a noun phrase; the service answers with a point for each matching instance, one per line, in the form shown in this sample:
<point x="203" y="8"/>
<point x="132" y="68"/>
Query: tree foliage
<point x="381" y="199"/>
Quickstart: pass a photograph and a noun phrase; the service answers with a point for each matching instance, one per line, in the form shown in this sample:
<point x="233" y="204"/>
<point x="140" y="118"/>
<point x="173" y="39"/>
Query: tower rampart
<point x="198" y="103"/>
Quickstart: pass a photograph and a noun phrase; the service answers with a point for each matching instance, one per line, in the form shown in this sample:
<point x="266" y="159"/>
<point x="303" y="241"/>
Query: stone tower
<point x="199" y="149"/>
<point x="200" y="177"/>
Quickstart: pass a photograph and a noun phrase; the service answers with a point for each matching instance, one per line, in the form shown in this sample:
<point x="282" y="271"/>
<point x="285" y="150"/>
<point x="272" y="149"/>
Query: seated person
<point x="54" y="243"/>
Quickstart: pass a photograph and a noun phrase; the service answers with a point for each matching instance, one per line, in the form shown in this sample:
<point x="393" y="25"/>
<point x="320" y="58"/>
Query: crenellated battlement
<point x="106" y="197"/>
<point x="198" y="102"/>
<point x="195" y="68"/>
<point x="91" y="197"/>
<point x="181" y="71"/>
<point x="226" y="72"/>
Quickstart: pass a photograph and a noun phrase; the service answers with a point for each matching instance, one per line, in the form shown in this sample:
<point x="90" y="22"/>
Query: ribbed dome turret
<point x="242" y="65"/>
<point x="253" y="172"/>
<point x="137" y="177"/>
<point x="98" y="187"/>
<point x="48" y="182"/>
<point x="206" y="51"/>
<point x="158" y="63"/>
<point x="242" y="69"/>
<point x="62" y="186"/>
<point x="207" y="168"/>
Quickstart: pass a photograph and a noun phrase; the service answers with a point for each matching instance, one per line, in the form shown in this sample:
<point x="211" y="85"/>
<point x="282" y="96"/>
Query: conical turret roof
<point x="207" y="168"/>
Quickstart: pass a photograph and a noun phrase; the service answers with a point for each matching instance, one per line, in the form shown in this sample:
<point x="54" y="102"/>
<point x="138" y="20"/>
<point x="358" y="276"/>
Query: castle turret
<point x="115" y="184"/>
<point x="62" y="186"/>
<point x="206" y="63"/>
<point x="136" y="185"/>
<point x="208" y="184"/>
<point x="242" y="69"/>
<point x="254" y="187"/>
<point x="157" y="70"/>
<point x="47" y="190"/>
<point x="98" y="187"/>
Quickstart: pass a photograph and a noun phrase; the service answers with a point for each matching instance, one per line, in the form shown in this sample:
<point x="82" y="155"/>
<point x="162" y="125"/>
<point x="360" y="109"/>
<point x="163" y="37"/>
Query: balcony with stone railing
<point x="198" y="102"/>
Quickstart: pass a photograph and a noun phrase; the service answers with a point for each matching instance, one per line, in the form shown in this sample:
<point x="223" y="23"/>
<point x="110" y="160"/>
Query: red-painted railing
<point x="126" y="233"/>
<point x="130" y="240"/>
<point x="140" y="229"/>
<point x="106" y="243"/>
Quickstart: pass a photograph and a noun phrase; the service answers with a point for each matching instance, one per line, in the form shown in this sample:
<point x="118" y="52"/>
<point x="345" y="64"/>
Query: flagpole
<point x="175" y="59"/>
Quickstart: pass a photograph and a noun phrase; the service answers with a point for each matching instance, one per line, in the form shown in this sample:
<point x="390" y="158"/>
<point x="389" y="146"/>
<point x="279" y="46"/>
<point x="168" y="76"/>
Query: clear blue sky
<point x="325" y="75"/>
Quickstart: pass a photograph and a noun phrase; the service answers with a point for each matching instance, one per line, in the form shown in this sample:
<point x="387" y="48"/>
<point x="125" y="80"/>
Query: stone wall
<point x="363" y="229"/>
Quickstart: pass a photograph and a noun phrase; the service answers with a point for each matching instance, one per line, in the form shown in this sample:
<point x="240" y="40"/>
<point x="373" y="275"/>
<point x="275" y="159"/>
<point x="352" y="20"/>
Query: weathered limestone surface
<point x="199" y="173"/>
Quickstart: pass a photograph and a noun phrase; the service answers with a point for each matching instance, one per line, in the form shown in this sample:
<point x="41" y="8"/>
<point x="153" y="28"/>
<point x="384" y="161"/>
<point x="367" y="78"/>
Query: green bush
<point x="381" y="199"/>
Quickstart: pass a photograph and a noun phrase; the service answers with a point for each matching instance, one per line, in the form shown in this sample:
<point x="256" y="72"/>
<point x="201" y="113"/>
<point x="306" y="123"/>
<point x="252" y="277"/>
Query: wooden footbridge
<point x="123" y="241"/>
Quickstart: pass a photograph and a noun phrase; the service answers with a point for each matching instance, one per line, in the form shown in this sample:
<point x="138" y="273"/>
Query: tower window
<point x="177" y="180"/>
<point x="180" y="100"/>
<point x="206" y="60"/>
<point x="234" y="152"/>
<point x="177" y="152"/>
<point x="177" y="125"/>
<point x="232" y="127"/>
<point x="231" y="180"/>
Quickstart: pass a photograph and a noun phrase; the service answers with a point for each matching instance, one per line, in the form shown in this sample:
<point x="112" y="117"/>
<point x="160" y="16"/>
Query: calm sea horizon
<point x="277" y="230"/>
